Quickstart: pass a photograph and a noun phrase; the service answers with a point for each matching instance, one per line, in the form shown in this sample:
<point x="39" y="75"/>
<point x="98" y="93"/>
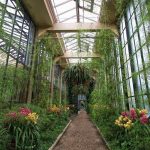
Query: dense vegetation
<point x="31" y="127"/>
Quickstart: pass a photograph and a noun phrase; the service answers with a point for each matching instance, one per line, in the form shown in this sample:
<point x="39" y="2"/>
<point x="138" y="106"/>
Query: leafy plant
<point x="79" y="81"/>
<point x="22" y="129"/>
<point x="4" y="140"/>
<point x="77" y="74"/>
<point x="46" y="49"/>
<point x="121" y="6"/>
<point x="13" y="83"/>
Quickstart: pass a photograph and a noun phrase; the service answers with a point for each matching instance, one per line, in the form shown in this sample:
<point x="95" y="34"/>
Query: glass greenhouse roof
<point x="77" y="11"/>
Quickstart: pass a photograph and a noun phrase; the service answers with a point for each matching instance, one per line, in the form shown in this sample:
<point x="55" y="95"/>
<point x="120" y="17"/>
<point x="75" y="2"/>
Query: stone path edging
<point x="82" y="134"/>
<point x="102" y="136"/>
<point x="60" y="135"/>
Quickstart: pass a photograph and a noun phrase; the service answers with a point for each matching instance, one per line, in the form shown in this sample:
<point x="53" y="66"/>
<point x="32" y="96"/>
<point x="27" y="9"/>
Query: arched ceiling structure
<point x="74" y="22"/>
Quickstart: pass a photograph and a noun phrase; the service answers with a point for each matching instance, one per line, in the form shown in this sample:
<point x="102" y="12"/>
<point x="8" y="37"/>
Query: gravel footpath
<point x="81" y="135"/>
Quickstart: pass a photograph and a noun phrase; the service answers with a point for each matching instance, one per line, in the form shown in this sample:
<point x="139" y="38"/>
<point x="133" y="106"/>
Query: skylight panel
<point x="69" y="14"/>
<point x="70" y="19"/>
<point x="65" y="7"/>
<point x="60" y="2"/>
<point x="86" y="11"/>
<point x="3" y="1"/>
<point x="87" y="4"/>
<point x="71" y="43"/>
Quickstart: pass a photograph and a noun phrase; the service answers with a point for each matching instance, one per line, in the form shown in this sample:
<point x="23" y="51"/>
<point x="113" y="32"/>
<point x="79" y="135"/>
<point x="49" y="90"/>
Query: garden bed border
<point x="60" y="136"/>
<point x="103" y="138"/>
<point x="100" y="133"/>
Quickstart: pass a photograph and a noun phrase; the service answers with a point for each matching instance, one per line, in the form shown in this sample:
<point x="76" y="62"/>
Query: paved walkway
<point x="81" y="135"/>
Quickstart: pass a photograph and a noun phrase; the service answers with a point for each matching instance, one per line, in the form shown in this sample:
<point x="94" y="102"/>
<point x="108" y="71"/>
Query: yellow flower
<point x="33" y="117"/>
<point x="125" y="119"/>
<point x="55" y="109"/>
<point x="129" y="122"/>
<point x="120" y="125"/>
<point x="117" y="121"/>
<point x="143" y="111"/>
<point x="120" y="118"/>
<point x="124" y="122"/>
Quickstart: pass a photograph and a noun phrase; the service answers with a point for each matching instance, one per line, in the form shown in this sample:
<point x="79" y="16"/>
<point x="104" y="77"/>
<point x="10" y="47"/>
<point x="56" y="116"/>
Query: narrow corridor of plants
<point x="82" y="133"/>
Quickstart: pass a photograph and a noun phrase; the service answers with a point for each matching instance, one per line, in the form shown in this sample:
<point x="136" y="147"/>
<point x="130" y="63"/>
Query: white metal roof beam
<point x="79" y="27"/>
<point x="80" y="55"/>
<point x="62" y="3"/>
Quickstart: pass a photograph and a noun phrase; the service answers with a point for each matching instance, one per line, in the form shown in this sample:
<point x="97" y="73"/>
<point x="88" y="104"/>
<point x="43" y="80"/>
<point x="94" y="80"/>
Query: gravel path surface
<point x="81" y="135"/>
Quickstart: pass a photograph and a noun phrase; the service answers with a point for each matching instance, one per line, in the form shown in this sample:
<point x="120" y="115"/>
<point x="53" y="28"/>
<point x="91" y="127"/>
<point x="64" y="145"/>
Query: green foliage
<point x="23" y="132"/>
<point x="135" y="127"/>
<point x="148" y="8"/>
<point x="118" y="138"/>
<point x="49" y="44"/>
<point x="103" y="116"/>
<point x="121" y="6"/>
<point x="13" y="81"/>
<point x="79" y="81"/>
<point x="48" y="127"/>
<point x="51" y="125"/>
<point x="25" y="136"/>
<point x="46" y="49"/>
<point x="80" y="89"/>
<point x="77" y="74"/>
<point x="136" y="138"/>
<point x="106" y="79"/>
<point x="4" y="138"/>
<point x="104" y="42"/>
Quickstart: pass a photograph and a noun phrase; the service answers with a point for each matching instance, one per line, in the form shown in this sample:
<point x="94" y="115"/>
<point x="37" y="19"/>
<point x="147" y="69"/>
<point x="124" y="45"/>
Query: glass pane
<point x="140" y="65"/>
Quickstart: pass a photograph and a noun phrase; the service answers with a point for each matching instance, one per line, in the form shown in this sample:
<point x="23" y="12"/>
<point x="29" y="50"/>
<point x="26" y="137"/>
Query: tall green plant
<point x="79" y="81"/>
<point x="46" y="50"/>
<point x="106" y="85"/>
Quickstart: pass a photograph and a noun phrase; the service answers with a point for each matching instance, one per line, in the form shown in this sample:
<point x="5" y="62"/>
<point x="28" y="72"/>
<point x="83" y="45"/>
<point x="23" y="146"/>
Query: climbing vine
<point x="106" y="88"/>
<point x="46" y="50"/>
<point x="121" y="6"/>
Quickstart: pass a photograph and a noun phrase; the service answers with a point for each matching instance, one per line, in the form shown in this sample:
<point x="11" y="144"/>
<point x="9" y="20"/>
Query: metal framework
<point x="16" y="41"/>
<point x="135" y="54"/>
<point x="17" y="32"/>
<point x="80" y="55"/>
<point x="82" y="27"/>
<point x="81" y="15"/>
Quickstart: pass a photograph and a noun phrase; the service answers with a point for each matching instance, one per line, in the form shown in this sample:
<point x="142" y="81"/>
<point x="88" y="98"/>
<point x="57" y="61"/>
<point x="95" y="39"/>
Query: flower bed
<point x="31" y="127"/>
<point x="130" y="131"/>
<point x="127" y="119"/>
<point x="23" y="129"/>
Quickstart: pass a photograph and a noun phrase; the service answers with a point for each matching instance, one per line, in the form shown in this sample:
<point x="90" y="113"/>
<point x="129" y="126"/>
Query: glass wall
<point x="135" y="54"/>
<point x="16" y="41"/>
<point x="17" y="32"/>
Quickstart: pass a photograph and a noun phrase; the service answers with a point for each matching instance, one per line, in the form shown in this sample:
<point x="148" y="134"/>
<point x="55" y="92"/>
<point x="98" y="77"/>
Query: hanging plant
<point x="79" y="81"/>
<point x="77" y="74"/>
<point x="80" y="89"/>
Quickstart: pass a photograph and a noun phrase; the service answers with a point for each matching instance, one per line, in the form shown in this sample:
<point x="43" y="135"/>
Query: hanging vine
<point x="47" y="48"/>
<point x="79" y="81"/>
<point x="106" y="83"/>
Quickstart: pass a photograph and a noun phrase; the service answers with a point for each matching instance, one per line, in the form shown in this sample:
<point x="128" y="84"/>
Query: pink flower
<point x="144" y="119"/>
<point x="25" y="111"/>
<point x="133" y="114"/>
<point x="125" y="114"/>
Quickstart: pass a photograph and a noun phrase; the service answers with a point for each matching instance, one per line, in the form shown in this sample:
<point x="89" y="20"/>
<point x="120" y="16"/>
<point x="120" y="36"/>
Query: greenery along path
<point x="81" y="135"/>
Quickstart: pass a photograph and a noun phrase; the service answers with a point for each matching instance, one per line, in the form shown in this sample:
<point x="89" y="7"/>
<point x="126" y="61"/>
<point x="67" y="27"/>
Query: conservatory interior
<point x="74" y="74"/>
